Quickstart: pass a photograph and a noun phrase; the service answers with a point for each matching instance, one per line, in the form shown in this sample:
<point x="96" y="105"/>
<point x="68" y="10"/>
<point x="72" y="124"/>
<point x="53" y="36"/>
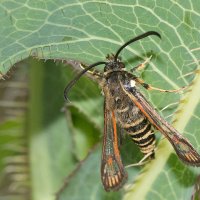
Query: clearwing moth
<point x="124" y="105"/>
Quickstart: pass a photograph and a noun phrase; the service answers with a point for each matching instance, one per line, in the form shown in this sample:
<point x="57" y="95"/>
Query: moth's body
<point x="126" y="107"/>
<point x="120" y="110"/>
<point x="128" y="116"/>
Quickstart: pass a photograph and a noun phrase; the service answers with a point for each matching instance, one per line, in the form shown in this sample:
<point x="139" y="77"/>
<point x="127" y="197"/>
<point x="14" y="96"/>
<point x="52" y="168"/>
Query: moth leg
<point x="93" y="72"/>
<point x="149" y="87"/>
<point x="143" y="161"/>
<point x="142" y="65"/>
<point x="146" y="156"/>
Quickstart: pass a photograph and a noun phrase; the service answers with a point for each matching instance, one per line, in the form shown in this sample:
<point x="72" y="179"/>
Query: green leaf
<point x="83" y="179"/>
<point x="87" y="31"/>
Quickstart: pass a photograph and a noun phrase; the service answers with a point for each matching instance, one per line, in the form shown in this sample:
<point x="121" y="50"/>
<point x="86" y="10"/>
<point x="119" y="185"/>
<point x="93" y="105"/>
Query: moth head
<point x="114" y="61"/>
<point x="114" y="65"/>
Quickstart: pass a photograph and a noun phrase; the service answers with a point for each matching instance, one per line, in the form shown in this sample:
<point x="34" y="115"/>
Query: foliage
<point x="87" y="31"/>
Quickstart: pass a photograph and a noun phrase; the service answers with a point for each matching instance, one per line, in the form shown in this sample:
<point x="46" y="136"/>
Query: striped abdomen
<point x="141" y="133"/>
<point x="138" y="127"/>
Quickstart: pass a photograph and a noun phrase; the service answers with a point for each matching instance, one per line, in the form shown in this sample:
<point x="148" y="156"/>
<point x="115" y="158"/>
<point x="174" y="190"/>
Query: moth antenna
<point x="71" y="83"/>
<point x="139" y="37"/>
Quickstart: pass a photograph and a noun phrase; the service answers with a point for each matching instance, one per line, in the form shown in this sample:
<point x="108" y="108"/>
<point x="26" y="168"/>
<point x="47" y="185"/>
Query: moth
<point x="126" y="107"/>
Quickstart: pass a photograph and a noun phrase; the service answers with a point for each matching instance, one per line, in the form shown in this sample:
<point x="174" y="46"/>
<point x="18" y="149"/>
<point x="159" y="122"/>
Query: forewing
<point x="113" y="174"/>
<point x="182" y="146"/>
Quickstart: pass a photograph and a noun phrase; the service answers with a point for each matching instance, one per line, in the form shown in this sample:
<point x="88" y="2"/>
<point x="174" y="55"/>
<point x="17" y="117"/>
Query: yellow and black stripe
<point x="142" y="135"/>
<point x="139" y="128"/>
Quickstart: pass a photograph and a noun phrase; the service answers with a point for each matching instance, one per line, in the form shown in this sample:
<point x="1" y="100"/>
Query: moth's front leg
<point x="93" y="73"/>
<point x="142" y="65"/>
<point x="149" y="87"/>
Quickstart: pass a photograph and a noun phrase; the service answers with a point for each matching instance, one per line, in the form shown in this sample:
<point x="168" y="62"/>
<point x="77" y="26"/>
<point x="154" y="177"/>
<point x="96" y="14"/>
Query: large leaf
<point x="87" y="31"/>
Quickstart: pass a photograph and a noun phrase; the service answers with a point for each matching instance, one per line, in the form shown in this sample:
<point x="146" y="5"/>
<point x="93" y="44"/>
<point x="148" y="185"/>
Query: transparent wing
<point x="182" y="146"/>
<point x="113" y="174"/>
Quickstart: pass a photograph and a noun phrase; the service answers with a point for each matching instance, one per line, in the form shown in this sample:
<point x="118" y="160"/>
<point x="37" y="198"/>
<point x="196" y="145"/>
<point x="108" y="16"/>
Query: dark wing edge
<point x="113" y="174"/>
<point x="181" y="145"/>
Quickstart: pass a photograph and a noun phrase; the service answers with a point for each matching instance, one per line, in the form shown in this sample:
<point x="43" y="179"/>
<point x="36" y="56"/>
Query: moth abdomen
<point x="143" y="136"/>
<point x="138" y="127"/>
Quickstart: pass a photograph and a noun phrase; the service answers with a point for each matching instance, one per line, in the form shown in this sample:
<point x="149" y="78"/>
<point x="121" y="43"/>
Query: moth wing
<point x="113" y="174"/>
<point x="182" y="146"/>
